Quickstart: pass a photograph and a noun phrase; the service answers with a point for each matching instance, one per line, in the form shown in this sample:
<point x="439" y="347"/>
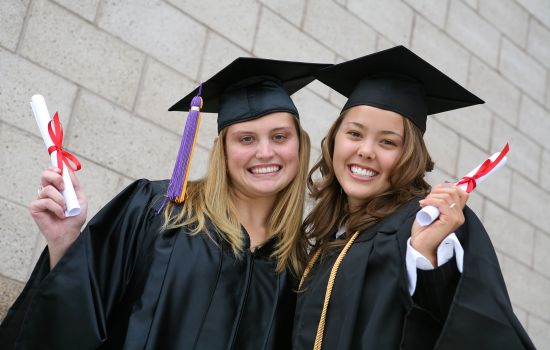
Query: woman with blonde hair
<point x="213" y="267"/>
<point x="376" y="279"/>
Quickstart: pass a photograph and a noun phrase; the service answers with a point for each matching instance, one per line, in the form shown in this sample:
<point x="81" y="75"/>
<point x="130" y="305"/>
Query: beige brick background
<point x="113" y="67"/>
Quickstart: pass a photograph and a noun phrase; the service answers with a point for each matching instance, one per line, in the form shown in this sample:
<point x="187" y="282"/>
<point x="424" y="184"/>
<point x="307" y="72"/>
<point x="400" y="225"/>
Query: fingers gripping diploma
<point x="48" y="212"/>
<point x="450" y="202"/>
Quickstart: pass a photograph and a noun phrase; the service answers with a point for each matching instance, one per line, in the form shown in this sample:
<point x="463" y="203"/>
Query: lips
<point x="363" y="172"/>
<point x="265" y="169"/>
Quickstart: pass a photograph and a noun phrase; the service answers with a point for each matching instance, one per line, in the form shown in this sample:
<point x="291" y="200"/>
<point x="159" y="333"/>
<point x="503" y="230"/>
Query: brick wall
<point x="112" y="68"/>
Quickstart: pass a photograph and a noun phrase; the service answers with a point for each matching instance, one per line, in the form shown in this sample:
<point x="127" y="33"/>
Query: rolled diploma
<point x="42" y="117"/>
<point x="429" y="214"/>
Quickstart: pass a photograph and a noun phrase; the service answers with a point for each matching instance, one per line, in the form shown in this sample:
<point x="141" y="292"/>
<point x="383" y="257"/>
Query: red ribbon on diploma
<point x="57" y="139"/>
<point x="483" y="170"/>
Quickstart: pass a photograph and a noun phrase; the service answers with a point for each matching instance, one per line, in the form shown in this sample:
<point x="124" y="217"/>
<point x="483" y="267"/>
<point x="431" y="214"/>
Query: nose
<point x="264" y="150"/>
<point x="366" y="150"/>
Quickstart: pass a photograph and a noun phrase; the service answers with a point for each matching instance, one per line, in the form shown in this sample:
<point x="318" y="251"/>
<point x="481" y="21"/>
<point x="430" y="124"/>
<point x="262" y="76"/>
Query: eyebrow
<point x="384" y="132"/>
<point x="244" y="131"/>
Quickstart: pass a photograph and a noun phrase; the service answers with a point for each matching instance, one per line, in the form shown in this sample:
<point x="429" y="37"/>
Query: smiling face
<point x="262" y="155"/>
<point x="367" y="146"/>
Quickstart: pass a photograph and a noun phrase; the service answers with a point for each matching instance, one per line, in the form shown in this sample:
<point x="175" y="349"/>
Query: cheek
<point x="290" y="151"/>
<point x="237" y="157"/>
<point x="291" y="155"/>
<point x="341" y="150"/>
<point x="390" y="161"/>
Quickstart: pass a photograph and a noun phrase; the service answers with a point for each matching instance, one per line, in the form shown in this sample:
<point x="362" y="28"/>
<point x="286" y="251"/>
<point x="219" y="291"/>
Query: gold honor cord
<point x="321" y="327"/>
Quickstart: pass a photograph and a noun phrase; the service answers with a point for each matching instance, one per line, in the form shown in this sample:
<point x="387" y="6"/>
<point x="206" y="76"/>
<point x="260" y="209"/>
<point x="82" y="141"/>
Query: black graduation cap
<point x="246" y="89"/>
<point x="249" y="88"/>
<point x="398" y="80"/>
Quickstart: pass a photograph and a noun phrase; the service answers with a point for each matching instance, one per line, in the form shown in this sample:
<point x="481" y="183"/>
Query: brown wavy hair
<point x="331" y="209"/>
<point x="212" y="198"/>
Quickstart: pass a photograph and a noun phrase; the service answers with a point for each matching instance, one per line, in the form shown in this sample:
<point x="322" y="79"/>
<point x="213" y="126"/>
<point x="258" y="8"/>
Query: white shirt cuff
<point x="449" y="246"/>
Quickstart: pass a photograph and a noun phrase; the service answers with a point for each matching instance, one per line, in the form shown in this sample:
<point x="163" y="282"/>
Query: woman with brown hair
<point x="376" y="279"/>
<point x="216" y="268"/>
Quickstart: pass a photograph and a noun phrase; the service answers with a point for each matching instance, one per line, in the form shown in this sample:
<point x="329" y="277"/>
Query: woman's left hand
<point x="450" y="201"/>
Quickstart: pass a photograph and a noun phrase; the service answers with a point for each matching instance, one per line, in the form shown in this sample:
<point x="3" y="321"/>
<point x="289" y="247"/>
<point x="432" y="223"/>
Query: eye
<point x="246" y="139"/>
<point x="354" y="134"/>
<point x="279" y="137"/>
<point x="388" y="142"/>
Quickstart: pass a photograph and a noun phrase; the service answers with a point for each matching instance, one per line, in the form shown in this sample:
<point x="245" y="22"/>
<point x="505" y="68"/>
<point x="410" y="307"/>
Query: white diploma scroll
<point x="429" y="214"/>
<point x="42" y="117"/>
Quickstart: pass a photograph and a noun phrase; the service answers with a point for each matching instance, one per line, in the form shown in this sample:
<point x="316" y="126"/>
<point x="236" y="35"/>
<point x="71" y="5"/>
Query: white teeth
<point x="265" y="170"/>
<point x="362" y="172"/>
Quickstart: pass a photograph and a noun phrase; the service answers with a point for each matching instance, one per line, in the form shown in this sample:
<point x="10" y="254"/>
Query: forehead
<point x="267" y="122"/>
<point x="373" y="118"/>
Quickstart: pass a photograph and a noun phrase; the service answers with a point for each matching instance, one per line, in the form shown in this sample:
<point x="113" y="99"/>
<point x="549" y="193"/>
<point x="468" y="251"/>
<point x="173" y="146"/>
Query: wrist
<point x="427" y="251"/>
<point x="58" y="247"/>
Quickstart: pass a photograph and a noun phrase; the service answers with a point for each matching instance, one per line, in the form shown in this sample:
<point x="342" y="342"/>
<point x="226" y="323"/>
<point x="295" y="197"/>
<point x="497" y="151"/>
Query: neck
<point x="253" y="214"/>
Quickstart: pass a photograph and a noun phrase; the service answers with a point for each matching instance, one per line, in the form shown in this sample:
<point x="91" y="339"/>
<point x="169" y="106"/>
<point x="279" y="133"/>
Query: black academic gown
<point x="125" y="285"/>
<point x="371" y="308"/>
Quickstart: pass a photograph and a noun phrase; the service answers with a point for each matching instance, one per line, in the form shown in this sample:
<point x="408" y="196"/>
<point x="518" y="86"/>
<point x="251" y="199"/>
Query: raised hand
<point x="48" y="212"/>
<point x="450" y="201"/>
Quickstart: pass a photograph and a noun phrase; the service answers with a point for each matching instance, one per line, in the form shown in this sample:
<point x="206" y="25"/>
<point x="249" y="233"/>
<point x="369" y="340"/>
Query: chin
<point x="358" y="196"/>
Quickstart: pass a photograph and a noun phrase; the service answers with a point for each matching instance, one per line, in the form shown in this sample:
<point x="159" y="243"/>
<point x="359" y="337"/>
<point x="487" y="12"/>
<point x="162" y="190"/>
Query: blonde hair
<point x="211" y="197"/>
<point x="331" y="209"/>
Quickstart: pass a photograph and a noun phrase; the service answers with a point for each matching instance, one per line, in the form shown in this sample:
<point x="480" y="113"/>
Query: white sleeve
<point x="449" y="247"/>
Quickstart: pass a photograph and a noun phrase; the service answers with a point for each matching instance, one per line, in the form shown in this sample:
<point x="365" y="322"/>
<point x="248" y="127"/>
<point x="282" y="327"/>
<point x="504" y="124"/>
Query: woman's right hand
<point x="48" y="212"/>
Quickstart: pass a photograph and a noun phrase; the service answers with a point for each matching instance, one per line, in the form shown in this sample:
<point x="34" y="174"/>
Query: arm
<point x="448" y="249"/>
<point x="70" y="306"/>
<point x="450" y="201"/>
<point x="434" y="288"/>
<point x="47" y="211"/>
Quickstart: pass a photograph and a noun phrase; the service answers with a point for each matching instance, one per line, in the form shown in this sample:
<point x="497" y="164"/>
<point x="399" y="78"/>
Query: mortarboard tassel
<point x="178" y="183"/>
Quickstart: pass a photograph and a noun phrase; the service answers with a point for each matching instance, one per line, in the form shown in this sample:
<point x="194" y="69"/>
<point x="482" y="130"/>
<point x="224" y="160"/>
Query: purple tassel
<point x="178" y="183"/>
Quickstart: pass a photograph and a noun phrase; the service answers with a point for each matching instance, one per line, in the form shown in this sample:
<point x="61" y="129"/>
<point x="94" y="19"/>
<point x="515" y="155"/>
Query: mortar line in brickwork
<point x="541" y="157"/>
<point x="24" y="131"/>
<point x="428" y="19"/>
<point x="141" y="82"/>
<point x="73" y="105"/>
<point x="446" y="19"/>
<point x="413" y="24"/>
<point x="11" y="201"/>
<point x="461" y="139"/>
<point x="203" y="54"/>
<point x="304" y="13"/>
<point x="503" y="34"/>
<point x="205" y="25"/>
<point x="530" y="268"/>
<point x="533" y="248"/>
<point x="499" y="52"/>
<point x="326" y="99"/>
<point x="490" y="65"/>
<point x="98" y="12"/>
<point x="124" y="109"/>
<point x="20" y="285"/>
<point x="541" y="189"/>
<point x="329" y="48"/>
<point x="514" y="127"/>
<point x="512" y="81"/>
<point x="510" y="212"/>
<point x="24" y="27"/>
<point x="80" y="156"/>
<point x="256" y="27"/>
